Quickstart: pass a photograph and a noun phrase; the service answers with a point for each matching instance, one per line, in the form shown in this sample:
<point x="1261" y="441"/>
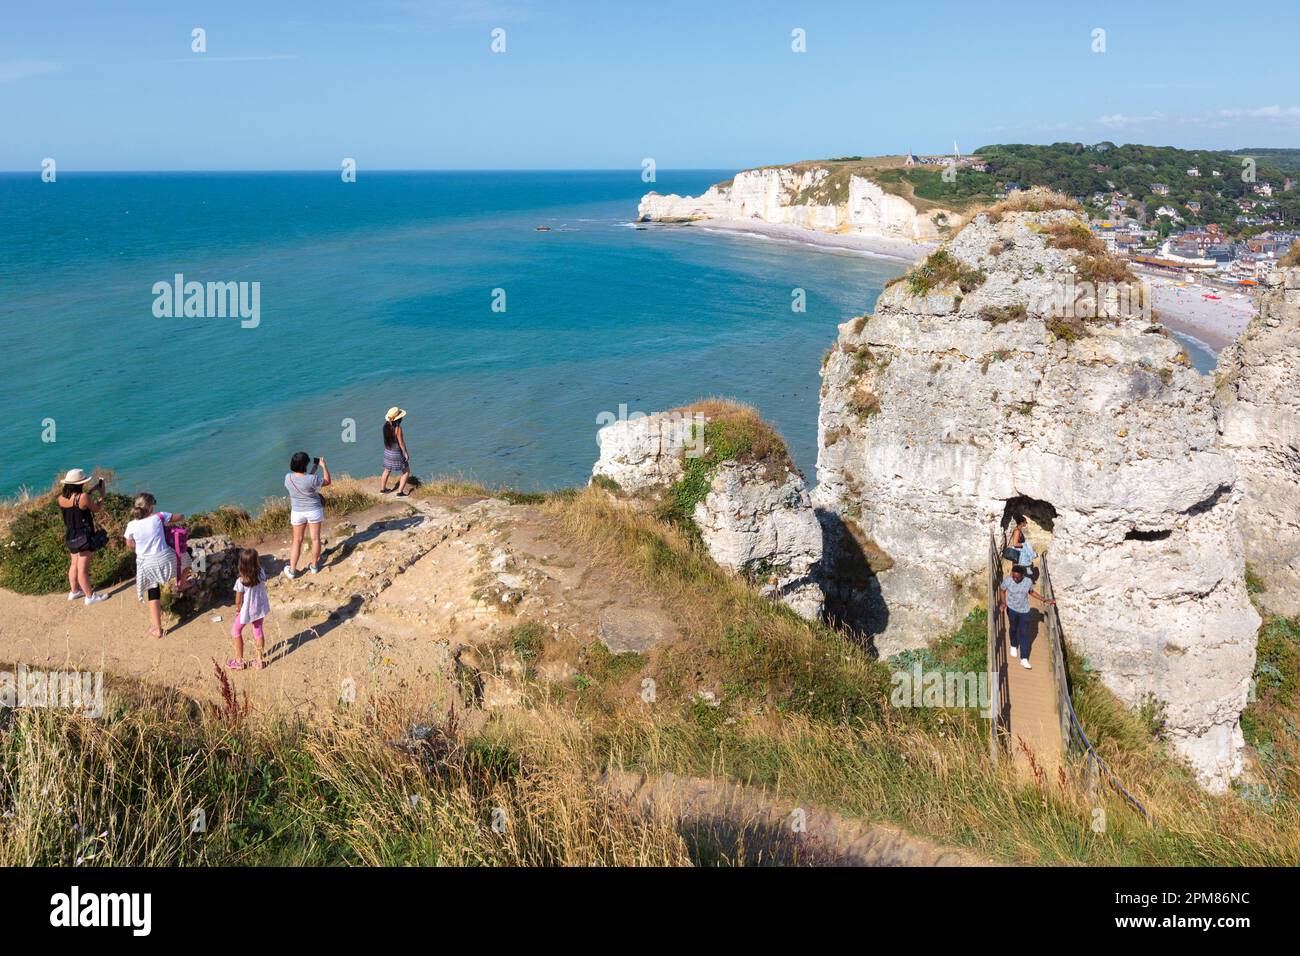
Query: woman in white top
<point x="155" y="559"/>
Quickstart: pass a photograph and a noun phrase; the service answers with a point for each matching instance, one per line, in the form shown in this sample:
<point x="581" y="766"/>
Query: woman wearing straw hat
<point x="396" y="460"/>
<point x="79" y="507"/>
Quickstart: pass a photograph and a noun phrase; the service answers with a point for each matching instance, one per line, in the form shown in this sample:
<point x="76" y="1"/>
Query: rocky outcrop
<point x="753" y="513"/>
<point x="1259" y="388"/>
<point x="645" y="453"/>
<point x="765" y="528"/>
<point x="824" y="198"/>
<point x="983" y="386"/>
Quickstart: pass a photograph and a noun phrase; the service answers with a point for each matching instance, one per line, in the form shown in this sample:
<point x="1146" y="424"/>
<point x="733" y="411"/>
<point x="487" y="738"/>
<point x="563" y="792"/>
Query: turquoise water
<point x="1204" y="359"/>
<point x="380" y="293"/>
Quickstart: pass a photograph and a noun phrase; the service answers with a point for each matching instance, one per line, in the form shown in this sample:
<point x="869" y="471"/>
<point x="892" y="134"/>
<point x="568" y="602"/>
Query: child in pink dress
<point x="251" y="607"/>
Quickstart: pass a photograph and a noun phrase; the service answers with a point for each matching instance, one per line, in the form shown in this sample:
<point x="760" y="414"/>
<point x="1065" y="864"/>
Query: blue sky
<point x="413" y="84"/>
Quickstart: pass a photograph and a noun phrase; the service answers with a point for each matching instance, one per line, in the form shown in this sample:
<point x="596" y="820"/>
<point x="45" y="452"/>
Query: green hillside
<point x="1079" y="170"/>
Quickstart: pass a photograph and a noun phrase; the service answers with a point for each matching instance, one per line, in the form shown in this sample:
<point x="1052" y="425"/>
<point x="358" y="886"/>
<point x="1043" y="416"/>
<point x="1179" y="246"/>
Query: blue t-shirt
<point x="1018" y="594"/>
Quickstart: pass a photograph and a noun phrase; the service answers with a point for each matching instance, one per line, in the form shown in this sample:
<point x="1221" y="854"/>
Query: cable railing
<point x="1073" y="737"/>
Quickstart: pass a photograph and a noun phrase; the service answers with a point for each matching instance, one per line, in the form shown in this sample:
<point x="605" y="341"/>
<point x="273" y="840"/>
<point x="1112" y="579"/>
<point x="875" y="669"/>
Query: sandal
<point x="257" y="665"/>
<point x="157" y="633"/>
<point x="235" y="664"/>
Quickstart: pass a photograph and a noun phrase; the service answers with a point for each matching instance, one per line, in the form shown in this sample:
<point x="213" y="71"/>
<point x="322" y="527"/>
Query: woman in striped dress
<point x="396" y="460"/>
<point x="155" y="559"/>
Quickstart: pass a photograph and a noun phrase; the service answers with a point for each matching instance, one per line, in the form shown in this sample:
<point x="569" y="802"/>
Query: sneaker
<point x="314" y="569"/>
<point x="1024" y="662"/>
<point x="1014" y="651"/>
<point x="289" y="572"/>
<point x="73" y="595"/>
<point x="95" y="599"/>
<point x="386" y="491"/>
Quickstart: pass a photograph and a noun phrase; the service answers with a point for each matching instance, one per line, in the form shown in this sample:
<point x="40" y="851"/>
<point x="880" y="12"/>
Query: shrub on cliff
<point x="997" y="314"/>
<point x="1074" y="235"/>
<point x="1292" y="257"/>
<point x="943" y="268"/>
<point x="732" y="432"/>
<point x="344" y="496"/>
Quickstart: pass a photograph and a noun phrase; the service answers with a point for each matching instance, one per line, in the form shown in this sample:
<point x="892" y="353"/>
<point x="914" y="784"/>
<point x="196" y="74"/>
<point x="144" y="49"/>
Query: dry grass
<point x="1074" y="235"/>
<point x="998" y="314"/>
<point x="1103" y="268"/>
<point x="805" y="712"/>
<point x="743" y="430"/>
<point x="1292" y="257"/>
<point x="1034" y="199"/>
<point x="362" y="790"/>
<point x="802" y="711"/>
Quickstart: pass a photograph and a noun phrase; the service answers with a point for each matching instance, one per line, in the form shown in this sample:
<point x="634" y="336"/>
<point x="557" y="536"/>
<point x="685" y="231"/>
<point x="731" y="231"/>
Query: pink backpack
<point x="178" y="539"/>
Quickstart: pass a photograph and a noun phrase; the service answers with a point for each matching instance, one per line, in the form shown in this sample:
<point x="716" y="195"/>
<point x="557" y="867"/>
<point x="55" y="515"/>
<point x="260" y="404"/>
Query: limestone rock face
<point x="1259" y="389"/>
<point x="755" y="519"/>
<point x="805" y="196"/>
<point x="645" y="453"/>
<point x="944" y="413"/>
<point x="767" y="530"/>
<point x="214" y="564"/>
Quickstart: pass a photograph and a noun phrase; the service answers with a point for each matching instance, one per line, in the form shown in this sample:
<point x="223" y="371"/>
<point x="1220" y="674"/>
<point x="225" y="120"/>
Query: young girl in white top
<point x="251" y="607"/>
<point x="155" y="559"/>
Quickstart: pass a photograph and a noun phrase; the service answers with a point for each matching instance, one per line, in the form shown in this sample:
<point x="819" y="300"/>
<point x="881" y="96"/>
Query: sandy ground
<point x="406" y="587"/>
<point x="1185" y="309"/>
<point x="899" y="249"/>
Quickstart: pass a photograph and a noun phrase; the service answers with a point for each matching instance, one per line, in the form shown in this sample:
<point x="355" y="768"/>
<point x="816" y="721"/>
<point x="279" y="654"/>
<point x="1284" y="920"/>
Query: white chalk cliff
<point x="1259" y="378"/>
<point x="756" y="518"/>
<point x="811" y="197"/>
<point x="943" y="412"/>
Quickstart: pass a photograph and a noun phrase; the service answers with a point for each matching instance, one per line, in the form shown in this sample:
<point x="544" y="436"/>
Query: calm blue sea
<point x="380" y="293"/>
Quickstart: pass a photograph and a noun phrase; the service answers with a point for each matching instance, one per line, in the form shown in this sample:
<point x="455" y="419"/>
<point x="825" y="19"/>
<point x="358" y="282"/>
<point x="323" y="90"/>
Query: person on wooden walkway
<point x="1013" y="598"/>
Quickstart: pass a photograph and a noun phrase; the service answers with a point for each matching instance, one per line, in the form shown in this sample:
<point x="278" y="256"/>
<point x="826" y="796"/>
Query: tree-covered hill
<point x="1133" y="171"/>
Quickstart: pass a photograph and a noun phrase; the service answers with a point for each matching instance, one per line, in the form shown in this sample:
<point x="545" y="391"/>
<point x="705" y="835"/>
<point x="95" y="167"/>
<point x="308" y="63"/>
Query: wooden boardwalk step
<point x="1035" y="719"/>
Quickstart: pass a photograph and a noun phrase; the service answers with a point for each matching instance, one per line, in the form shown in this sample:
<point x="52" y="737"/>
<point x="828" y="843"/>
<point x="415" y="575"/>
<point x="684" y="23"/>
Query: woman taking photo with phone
<point x="82" y="539"/>
<point x="306" y="509"/>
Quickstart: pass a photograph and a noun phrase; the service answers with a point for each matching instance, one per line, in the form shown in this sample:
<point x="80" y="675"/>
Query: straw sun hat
<point x="394" y="414"/>
<point x="76" y="477"/>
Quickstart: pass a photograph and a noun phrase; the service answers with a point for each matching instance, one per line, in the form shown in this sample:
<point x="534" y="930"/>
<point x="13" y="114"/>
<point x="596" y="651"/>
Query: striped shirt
<point x="304" y="491"/>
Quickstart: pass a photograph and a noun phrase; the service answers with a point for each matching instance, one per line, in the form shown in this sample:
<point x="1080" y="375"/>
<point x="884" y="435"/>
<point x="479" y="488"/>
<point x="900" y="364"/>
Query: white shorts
<point x="306" y="517"/>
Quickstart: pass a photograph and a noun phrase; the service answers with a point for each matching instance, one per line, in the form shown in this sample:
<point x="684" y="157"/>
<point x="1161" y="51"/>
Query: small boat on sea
<point x="543" y="228"/>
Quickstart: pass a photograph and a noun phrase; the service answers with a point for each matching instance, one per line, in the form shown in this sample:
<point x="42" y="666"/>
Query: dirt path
<point x="404" y="587"/>
<point x="768" y="830"/>
<point x="408" y="588"/>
